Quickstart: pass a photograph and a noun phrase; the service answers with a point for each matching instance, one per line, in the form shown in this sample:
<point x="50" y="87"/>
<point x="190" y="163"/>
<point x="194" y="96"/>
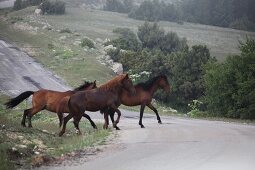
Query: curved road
<point x="177" y="144"/>
<point x="19" y="72"/>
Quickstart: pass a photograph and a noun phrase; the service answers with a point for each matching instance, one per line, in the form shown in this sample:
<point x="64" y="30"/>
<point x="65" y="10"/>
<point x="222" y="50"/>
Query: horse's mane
<point x="83" y="86"/>
<point x="113" y="83"/>
<point x="147" y="85"/>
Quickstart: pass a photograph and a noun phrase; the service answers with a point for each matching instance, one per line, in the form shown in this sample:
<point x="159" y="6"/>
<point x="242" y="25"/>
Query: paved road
<point x="177" y="144"/>
<point x="6" y="3"/>
<point x="19" y="72"/>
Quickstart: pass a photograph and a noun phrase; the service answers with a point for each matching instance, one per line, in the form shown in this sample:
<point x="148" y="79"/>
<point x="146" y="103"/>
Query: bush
<point x="124" y="6"/>
<point x="87" y="42"/>
<point x="155" y="11"/>
<point x="52" y="7"/>
<point x="20" y="4"/>
<point x="152" y="36"/>
<point x="230" y="86"/>
<point x="127" y="40"/>
<point x="162" y="53"/>
<point x="65" y="30"/>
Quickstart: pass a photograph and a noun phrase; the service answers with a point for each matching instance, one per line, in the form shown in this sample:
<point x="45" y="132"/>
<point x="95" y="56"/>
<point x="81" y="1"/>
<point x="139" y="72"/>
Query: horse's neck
<point x="115" y="89"/>
<point x="154" y="87"/>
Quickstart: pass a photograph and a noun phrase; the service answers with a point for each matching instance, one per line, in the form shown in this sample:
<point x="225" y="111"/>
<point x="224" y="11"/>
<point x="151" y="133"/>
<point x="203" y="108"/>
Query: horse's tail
<point x="17" y="100"/>
<point x="62" y="109"/>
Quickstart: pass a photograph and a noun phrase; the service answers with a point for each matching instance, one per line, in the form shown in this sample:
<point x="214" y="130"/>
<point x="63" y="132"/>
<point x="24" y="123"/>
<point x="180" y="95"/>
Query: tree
<point x="230" y="86"/>
<point x="119" y="6"/>
<point x="150" y="35"/>
<point x="187" y="75"/>
<point x="17" y="5"/>
<point x="127" y="40"/>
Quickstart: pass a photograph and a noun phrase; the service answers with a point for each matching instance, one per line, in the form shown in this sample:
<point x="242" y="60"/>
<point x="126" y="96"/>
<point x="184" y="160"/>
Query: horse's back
<point x="49" y="99"/>
<point x="92" y="100"/>
<point x="137" y="99"/>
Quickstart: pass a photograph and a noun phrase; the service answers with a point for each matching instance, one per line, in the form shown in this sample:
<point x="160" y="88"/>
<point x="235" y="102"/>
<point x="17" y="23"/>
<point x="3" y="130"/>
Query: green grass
<point x="43" y="136"/>
<point x="74" y="66"/>
<point x="99" y="24"/>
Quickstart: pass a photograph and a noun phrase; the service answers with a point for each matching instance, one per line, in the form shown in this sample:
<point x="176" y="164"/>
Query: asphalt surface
<point x="177" y="144"/>
<point x="19" y="72"/>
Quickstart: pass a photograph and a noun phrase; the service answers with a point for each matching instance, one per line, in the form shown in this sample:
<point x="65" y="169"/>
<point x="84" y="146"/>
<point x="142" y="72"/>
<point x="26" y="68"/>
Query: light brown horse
<point x="143" y="96"/>
<point x="47" y="99"/>
<point x="104" y="97"/>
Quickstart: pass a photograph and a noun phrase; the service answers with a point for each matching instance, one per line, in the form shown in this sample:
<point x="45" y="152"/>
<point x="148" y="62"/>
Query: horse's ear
<point x="126" y="76"/>
<point x="95" y="82"/>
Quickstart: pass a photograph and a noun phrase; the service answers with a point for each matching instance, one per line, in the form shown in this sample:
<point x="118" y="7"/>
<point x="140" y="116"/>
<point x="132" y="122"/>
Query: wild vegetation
<point x="225" y="13"/>
<point x="230" y="86"/>
<point x="20" y="4"/>
<point x="47" y="6"/>
<point x="223" y="89"/>
<point x="163" y="53"/>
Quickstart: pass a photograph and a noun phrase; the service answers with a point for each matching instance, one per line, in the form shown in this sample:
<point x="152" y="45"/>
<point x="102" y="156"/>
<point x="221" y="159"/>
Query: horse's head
<point x="128" y="85"/>
<point x="87" y="86"/>
<point x="163" y="83"/>
<point x="94" y="85"/>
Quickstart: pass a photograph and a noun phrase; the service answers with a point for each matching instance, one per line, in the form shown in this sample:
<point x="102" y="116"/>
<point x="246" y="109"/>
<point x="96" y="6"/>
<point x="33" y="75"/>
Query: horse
<point x="47" y="99"/>
<point x="143" y="96"/>
<point x="101" y="98"/>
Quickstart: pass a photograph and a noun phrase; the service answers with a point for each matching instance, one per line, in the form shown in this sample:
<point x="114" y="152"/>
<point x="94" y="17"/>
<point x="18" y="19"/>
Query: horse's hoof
<point x="105" y="126"/>
<point x="159" y="122"/>
<point x="117" y="128"/>
<point x="95" y="127"/>
<point x="30" y="126"/>
<point x="142" y="126"/>
<point x="23" y="124"/>
<point x="60" y="134"/>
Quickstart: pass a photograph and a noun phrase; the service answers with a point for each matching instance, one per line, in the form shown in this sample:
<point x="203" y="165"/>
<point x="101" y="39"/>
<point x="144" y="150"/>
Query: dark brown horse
<point x="143" y="96"/>
<point x="104" y="97"/>
<point x="47" y="99"/>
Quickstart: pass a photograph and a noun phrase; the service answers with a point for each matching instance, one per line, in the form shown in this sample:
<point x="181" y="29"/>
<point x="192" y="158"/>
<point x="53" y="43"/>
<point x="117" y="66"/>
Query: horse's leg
<point x="76" y="120"/>
<point x="141" y="116"/>
<point x="60" y="118"/>
<point x="91" y="121"/>
<point x="111" y="113"/>
<point x="32" y="112"/>
<point x="119" y="114"/>
<point x="66" y="119"/>
<point x="106" y="120"/>
<point x="155" y="111"/>
<point x="26" y="112"/>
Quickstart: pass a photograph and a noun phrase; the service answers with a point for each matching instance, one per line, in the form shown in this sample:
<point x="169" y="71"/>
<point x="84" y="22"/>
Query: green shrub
<point x="127" y="40"/>
<point x="52" y="7"/>
<point x="87" y="42"/>
<point x="65" y="30"/>
<point x="163" y="53"/>
<point x="124" y="6"/>
<point x="15" y="19"/>
<point x="152" y="36"/>
<point x="20" y="4"/>
<point x="230" y="86"/>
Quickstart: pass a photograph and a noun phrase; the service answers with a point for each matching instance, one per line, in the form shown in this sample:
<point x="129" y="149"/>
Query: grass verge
<point x="27" y="147"/>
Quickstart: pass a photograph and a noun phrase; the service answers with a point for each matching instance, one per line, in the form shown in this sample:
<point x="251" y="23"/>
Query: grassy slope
<point x="78" y="66"/>
<point x="221" y="41"/>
